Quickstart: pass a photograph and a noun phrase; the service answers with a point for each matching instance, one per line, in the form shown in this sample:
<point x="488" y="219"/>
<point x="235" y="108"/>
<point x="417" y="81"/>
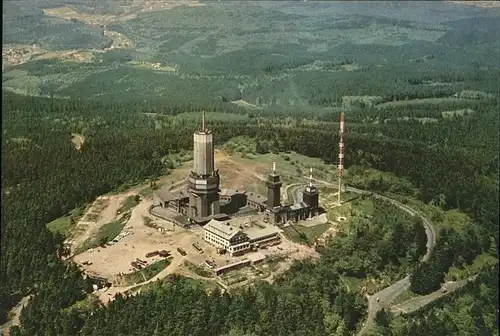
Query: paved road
<point x="296" y="191"/>
<point x="419" y="302"/>
<point x="429" y="229"/>
<point x="388" y="294"/>
<point x="291" y="192"/>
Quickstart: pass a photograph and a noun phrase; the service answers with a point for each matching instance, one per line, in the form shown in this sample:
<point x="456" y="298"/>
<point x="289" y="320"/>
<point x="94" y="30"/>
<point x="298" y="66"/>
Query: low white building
<point x="235" y="238"/>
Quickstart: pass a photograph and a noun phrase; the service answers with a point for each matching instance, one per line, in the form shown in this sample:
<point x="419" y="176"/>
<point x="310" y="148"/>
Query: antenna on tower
<point x="310" y="177"/>
<point x="274" y="167"/>
<point x="341" y="154"/>
<point x="203" y="121"/>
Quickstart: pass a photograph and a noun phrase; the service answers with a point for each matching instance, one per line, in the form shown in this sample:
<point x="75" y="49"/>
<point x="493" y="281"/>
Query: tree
<point x="426" y="278"/>
<point x="261" y="147"/>
<point x="382" y="318"/>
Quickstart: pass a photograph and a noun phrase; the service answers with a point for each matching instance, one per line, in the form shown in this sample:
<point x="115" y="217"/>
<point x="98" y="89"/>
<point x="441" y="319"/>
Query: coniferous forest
<point x="45" y="177"/>
<point x="424" y="115"/>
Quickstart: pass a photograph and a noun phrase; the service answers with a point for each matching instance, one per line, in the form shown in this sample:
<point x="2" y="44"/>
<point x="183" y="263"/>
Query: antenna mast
<point x="341" y="154"/>
<point x="310" y="177"/>
<point x="203" y="121"/>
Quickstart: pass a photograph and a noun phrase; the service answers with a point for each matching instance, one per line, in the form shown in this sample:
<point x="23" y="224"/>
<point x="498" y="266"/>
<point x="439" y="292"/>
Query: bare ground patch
<point x="119" y="40"/>
<point x="102" y="211"/>
<point x="68" y="13"/>
<point x="116" y="259"/>
<point x="255" y="169"/>
<point x="291" y="252"/>
<point x="129" y="11"/>
<point x="14" y="315"/>
<point x="329" y="233"/>
<point x="78" y="140"/>
<point x="246" y="104"/>
<point x="233" y="178"/>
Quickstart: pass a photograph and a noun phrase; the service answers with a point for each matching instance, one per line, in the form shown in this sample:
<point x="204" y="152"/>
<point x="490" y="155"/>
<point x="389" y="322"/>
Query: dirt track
<point x="115" y="259"/>
<point x="15" y="312"/>
<point x="108" y="214"/>
<point x="108" y="295"/>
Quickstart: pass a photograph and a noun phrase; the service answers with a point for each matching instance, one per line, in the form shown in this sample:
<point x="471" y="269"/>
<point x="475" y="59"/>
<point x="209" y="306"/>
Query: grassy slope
<point x="61" y="225"/>
<point x="146" y="273"/>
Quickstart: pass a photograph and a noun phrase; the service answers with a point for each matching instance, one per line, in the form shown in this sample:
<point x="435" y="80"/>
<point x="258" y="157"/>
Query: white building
<point x="232" y="236"/>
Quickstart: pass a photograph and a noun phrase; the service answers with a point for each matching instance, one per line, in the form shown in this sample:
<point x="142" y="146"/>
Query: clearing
<point x="78" y="140"/>
<point x="101" y="212"/>
<point x="246" y="104"/>
<point x="144" y="233"/>
<point x="414" y="102"/>
<point x="156" y="66"/>
<point x="119" y="40"/>
<point x="114" y="262"/>
<point x="129" y="11"/>
<point x="68" y="13"/>
<point x="458" y="113"/>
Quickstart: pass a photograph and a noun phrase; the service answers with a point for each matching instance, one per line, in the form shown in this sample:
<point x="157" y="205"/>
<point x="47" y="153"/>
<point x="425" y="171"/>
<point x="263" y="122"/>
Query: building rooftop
<point x="166" y="195"/>
<point x="254" y="228"/>
<point x="256" y="233"/>
<point x="201" y="220"/>
<point x="256" y="257"/>
<point x="278" y="209"/>
<point x="297" y="206"/>
<point x="221" y="216"/>
<point x="311" y="189"/>
<point x="251" y="196"/>
<point x="239" y="222"/>
<point x="229" y="192"/>
<point x="222" y="228"/>
<point x="254" y="197"/>
<point x="240" y="262"/>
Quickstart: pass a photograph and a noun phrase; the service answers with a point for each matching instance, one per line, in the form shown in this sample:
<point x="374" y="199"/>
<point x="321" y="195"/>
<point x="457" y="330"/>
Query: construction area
<point x="148" y="248"/>
<point x="192" y="227"/>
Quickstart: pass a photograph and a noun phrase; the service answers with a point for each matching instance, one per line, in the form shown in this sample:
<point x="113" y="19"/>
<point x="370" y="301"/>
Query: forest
<point x="419" y="88"/>
<point x="45" y="177"/>
<point x="292" y="56"/>
<point x="472" y="310"/>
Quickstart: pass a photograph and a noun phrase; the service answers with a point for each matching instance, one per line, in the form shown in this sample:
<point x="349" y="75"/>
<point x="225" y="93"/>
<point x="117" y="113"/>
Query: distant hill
<point x="482" y="4"/>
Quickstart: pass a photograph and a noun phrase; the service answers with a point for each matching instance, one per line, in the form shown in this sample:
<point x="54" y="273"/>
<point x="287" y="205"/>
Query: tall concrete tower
<point x="273" y="188"/>
<point x="203" y="181"/>
<point x="310" y="195"/>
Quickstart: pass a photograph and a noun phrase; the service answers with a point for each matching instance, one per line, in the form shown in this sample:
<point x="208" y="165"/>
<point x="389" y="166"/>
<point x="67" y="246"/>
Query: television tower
<point x="203" y="180"/>
<point x="340" y="167"/>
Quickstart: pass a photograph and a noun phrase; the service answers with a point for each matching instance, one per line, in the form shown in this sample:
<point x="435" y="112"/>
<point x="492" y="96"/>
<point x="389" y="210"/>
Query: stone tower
<point x="310" y="195"/>
<point x="273" y="184"/>
<point x="203" y="181"/>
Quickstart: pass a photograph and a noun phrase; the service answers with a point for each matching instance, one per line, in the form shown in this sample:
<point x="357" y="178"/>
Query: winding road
<point x="420" y="301"/>
<point x="384" y="298"/>
<point x="389" y="294"/>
